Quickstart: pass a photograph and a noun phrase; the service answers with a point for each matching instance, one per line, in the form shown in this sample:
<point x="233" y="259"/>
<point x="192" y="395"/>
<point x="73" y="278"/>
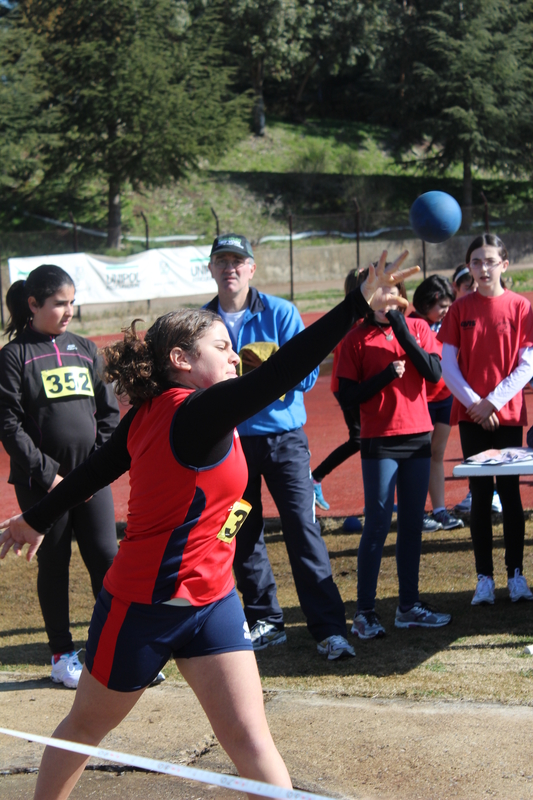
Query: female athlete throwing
<point x="170" y="590"/>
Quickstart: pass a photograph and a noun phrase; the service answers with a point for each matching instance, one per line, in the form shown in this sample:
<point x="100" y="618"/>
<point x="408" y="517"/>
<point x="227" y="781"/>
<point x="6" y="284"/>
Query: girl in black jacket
<point x="54" y="412"/>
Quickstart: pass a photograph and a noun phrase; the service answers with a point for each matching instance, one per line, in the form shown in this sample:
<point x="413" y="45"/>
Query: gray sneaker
<point x="430" y="524"/>
<point x="367" y="625"/>
<point x="447" y="521"/>
<point x="265" y="634"/>
<point x="421" y="616"/>
<point x="335" y="647"/>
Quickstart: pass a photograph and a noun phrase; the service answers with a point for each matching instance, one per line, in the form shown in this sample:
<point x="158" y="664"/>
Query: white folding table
<point x="467" y="470"/>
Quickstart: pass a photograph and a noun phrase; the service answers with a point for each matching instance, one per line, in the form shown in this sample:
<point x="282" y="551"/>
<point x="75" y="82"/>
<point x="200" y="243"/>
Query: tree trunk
<point x="258" y="121"/>
<point x="467" y="189"/>
<point x="295" y="112"/>
<point x="114" y="219"/>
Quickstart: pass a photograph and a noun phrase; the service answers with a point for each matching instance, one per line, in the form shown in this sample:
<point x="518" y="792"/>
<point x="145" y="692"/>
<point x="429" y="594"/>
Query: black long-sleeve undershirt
<point x="203" y="425"/>
<point x="353" y="393"/>
<point x="427" y="364"/>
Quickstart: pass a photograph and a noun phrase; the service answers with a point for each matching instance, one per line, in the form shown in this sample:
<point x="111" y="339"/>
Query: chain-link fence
<point x="355" y="225"/>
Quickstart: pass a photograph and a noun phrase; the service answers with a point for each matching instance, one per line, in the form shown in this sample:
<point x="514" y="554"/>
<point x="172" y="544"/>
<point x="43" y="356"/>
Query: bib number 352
<point x="67" y="382"/>
<point x="239" y="512"/>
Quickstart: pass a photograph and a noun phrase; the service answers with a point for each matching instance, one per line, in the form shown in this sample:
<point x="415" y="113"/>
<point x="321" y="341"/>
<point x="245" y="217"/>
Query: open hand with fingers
<point x="385" y="277"/>
<point x="17" y="533"/>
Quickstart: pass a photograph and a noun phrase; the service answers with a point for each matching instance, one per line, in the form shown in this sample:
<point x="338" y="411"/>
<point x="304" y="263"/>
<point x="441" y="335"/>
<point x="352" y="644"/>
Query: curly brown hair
<point x="140" y="367"/>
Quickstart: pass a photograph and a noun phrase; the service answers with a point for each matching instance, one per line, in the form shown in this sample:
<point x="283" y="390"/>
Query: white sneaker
<point x="484" y="591"/>
<point x="67" y="670"/>
<point x="335" y="647"/>
<point x="518" y="588"/>
<point x="496" y="503"/>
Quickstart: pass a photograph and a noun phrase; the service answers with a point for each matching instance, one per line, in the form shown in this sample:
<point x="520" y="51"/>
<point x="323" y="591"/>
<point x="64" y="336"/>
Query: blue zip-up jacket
<point x="271" y="319"/>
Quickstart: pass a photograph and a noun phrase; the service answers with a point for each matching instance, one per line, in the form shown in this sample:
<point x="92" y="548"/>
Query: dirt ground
<point x="337" y="746"/>
<point x="418" y="714"/>
<point x="428" y="715"/>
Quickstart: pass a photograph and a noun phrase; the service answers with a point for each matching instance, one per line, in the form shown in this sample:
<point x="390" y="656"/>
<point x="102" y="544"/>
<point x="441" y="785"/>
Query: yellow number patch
<point x="239" y="512"/>
<point x="67" y="382"/>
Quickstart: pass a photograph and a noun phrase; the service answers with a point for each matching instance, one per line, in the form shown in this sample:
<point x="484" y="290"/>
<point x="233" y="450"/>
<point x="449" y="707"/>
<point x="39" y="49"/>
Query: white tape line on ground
<point x="152" y="764"/>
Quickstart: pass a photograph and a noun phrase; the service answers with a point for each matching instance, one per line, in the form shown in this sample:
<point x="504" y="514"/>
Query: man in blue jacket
<point x="276" y="448"/>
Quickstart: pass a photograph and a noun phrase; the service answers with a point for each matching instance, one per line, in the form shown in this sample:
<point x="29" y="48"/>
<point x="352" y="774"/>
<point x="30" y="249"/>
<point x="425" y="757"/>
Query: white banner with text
<point x="167" y="272"/>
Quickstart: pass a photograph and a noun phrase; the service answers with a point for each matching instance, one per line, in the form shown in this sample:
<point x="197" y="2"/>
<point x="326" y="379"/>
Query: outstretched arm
<point x="229" y="403"/>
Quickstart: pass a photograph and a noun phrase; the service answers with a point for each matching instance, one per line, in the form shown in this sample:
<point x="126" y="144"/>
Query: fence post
<point x="146" y="230"/>
<point x="214" y="213"/>
<point x="486" y="202"/>
<point x="74" y="230"/>
<point x="357" y="229"/>
<point x="291" y="259"/>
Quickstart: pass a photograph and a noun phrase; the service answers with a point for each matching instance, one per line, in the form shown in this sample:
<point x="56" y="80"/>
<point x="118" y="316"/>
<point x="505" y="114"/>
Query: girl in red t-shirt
<point x="487" y="355"/>
<point x="383" y="367"/>
<point x="432" y="299"/>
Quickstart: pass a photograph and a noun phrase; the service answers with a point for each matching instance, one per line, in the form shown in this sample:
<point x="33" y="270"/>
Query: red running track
<point x="326" y="429"/>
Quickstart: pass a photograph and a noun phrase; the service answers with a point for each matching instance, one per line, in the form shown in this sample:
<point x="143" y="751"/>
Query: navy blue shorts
<point x="130" y="642"/>
<point x="441" y="411"/>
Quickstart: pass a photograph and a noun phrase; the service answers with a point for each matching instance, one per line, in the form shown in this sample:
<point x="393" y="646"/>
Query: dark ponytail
<point x="41" y="283"/>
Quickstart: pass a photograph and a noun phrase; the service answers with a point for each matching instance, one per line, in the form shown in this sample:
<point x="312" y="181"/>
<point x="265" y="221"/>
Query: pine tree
<point x="134" y="91"/>
<point x="450" y="81"/>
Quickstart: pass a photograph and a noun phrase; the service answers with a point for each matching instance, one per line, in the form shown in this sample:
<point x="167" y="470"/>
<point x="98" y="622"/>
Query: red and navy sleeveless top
<point x="175" y="513"/>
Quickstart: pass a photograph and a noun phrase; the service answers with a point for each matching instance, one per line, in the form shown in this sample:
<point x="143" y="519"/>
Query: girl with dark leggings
<point x="487" y="359"/>
<point x="383" y="368"/>
<point x="55" y="410"/>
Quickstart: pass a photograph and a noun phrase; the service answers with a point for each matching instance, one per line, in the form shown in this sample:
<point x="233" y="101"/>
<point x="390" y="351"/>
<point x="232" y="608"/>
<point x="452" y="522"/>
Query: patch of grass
<point x="526" y="673"/>
<point x="477" y="657"/>
<point x="436" y="666"/>
<point x="322" y="146"/>
<point x="520" y="280"/>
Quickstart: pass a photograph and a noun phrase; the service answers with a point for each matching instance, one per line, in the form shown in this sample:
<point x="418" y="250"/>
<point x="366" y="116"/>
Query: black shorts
<point x="130" y="642"/>
<point x="441" y="411"/>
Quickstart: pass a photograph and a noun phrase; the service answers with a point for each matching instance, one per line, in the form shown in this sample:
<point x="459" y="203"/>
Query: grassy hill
<point x="315" y="168"/>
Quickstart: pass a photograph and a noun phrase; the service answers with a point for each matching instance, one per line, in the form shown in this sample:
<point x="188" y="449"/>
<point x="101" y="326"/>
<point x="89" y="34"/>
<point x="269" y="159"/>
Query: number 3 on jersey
<point x="239" y="512"/>
<point x="67" y="382"/>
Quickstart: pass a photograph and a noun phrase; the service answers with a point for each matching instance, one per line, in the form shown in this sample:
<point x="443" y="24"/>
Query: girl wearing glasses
<point x="487" y="359"/>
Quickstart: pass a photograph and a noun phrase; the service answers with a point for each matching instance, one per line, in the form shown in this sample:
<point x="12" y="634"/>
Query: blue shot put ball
<point x="352" y="525"/>
<point x="435" y="217"/>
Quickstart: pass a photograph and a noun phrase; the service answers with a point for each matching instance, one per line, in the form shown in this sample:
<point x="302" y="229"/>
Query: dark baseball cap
<point x="232" y="243"/>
